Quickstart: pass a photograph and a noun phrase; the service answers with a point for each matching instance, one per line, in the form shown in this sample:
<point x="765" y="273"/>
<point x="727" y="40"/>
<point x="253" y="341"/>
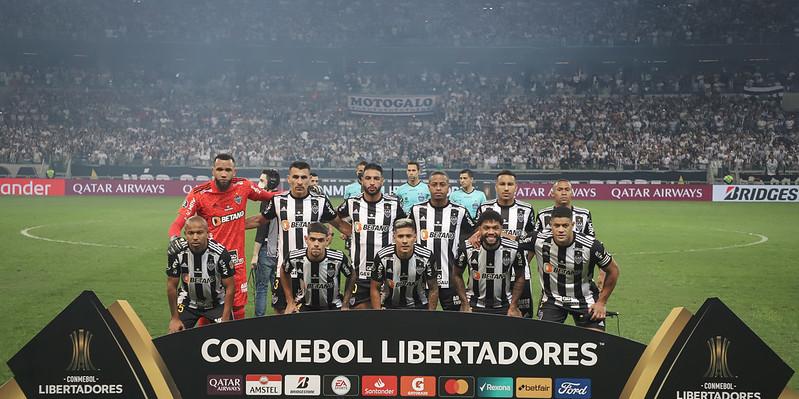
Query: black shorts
<point x="304" y="308"/>
<point x="279" y="297"/>
<point x="190" y="316"/>
<point x="500" y="311"/>
<point x="449" y="299"/>
<point x="548" y="311"/>
<point x="361" y="293"/>
<point x="526" y="299"/>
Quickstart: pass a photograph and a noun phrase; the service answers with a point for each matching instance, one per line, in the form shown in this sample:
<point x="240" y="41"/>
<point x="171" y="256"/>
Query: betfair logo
<point x="81" y="351"/>
<point x="719" y="366"/>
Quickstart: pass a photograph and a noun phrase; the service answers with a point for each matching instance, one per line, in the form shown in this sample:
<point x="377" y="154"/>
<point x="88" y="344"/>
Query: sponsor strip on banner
<point x="32" y="187"/>
<point x="755" y="193"/>
<point x="128" y="187"/>
<point x="264" y="385"/>
<point x="392" y="105"/>
<point x="635" y="192"/>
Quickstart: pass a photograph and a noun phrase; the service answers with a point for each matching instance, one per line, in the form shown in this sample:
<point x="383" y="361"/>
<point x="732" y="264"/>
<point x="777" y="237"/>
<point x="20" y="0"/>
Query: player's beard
<point x="222" y="186"/>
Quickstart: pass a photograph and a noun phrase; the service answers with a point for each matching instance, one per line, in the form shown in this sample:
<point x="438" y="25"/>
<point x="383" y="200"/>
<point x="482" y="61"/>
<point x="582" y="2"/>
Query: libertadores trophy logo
<point x="718" y="367"/>
<point x="81" y="351"/>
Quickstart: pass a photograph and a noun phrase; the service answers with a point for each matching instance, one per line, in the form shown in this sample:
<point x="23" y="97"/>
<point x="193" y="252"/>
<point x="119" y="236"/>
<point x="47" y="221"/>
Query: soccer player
<point x="372" y="214"/>
<point x="518" y="220"/>
<point x="490" y="266"/>
<point x="319" y="270"/>
<point x="204" y="272"/>
<point x="295" y="210"/>
<point x="354" y="189"/>
<point x="264" y="254"/>
<point x="414" y="191"/>
<point x="563" y="194"/>
<point x="442" y="227"/>
<point x="566" y="261"/>
<point x="222" y="202"/>
<point x="467" y="196"/>
<point x="314" y="180"/>
<point x="403" y="268"/>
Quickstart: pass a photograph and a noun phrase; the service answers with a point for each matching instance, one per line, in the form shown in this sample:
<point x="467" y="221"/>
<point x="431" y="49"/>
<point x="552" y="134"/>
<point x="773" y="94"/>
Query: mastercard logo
<point x="456" y="387"/>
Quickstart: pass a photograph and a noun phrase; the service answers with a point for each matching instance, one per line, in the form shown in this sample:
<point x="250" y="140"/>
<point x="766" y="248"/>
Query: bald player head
<point x="196" y="232"/>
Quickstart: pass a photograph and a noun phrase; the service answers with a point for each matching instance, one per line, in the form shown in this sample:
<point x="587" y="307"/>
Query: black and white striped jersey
<point x="404" y="279"/>
<point x="294" y="216"/>
<point x="319" y="281"/>
<point x="580" y="216"/>
<point x="442" y="230"/>
<point x="566" y="273"/>
<point x="201" y="275"/>
<point x="490" y="272"/>
<point x="371" y="230"/>
<point x="517" y="219"/>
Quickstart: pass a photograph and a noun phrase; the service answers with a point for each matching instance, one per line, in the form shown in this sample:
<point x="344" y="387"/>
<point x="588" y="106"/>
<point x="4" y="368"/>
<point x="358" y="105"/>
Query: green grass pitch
<point x="671" y="254"/>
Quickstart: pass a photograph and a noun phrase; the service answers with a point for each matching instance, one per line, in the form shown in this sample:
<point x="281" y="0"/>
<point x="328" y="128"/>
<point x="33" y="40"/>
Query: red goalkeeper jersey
<point x="224" y="212"/>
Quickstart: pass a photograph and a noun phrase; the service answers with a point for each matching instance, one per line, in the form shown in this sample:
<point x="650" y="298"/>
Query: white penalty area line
<point x="760" y="240"/>
<point x="27" y="233"/>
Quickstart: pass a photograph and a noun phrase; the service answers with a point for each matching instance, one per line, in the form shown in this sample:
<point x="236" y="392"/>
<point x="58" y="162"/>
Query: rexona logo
<point x="224" y="385"/>
<point x="495" y="387"/>
<point x="456" y="387"/>
<point x="418" y="386"/>
<point x="533" y="387"/>
<point x="379" y="385"/>
<point x="302" y="385"/>
<point x="572" y="388"/>
<point x="340" y="385"/>
<point x="264" y="385"/>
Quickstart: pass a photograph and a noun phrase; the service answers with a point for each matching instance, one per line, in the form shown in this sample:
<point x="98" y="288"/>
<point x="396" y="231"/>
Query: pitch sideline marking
<point x="761" y="239"/>
<point x="27" y="233"/>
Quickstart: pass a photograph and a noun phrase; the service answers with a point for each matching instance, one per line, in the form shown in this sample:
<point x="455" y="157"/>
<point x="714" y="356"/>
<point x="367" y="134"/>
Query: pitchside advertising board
<point x="91" y="352"/>
<point x="755" y="193"/>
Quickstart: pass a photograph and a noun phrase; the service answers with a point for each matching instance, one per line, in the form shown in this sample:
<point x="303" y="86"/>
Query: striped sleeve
<point x="599" y="255"/>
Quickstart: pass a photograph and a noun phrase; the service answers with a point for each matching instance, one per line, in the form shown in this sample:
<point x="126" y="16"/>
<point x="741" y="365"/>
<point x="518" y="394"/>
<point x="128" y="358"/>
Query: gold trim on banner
<point x="788" y="393"/>
<point x="655" y="354"/>
<point x="142" y="344"/>
<point x="11" y="390"/>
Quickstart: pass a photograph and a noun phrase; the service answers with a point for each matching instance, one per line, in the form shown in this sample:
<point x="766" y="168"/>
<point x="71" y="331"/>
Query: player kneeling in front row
<point x="492" y="266"/>
<point x="204" y="272"/>
<point x="566" y="261"/>
<point x="401" y="270"/>
<point x="318" y="270"/>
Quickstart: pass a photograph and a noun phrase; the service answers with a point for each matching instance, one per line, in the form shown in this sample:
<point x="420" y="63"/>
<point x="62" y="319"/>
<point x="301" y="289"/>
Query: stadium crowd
<point x="537" y="122"/>
<point x="343" y="23"/>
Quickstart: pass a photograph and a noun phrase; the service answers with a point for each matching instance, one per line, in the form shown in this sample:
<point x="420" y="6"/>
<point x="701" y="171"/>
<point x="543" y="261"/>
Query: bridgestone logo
<point x="735" y="193"/>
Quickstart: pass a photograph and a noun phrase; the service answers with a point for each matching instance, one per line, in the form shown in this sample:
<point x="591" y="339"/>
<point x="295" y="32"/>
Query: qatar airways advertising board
<point x="634" y="192"/>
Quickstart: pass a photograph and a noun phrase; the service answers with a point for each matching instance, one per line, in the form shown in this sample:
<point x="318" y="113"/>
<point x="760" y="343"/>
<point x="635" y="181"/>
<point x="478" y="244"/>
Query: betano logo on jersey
<point x="488" y="276"/>
<point x="360" y="227"/>
<point x="218" y="220"/>
<point x="437" y="235"/>
<point x="560" y="269"/>
<point x="294" y="225"/>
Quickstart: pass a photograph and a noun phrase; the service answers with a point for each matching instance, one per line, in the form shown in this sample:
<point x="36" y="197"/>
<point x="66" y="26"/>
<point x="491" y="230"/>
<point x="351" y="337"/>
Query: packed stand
<point x="345" y="23"/>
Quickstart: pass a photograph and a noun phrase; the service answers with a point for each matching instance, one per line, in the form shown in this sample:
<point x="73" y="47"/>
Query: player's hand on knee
<point x="597" y="311"/>
<point x="175" y="326"/>
<point x="177" y="245"/>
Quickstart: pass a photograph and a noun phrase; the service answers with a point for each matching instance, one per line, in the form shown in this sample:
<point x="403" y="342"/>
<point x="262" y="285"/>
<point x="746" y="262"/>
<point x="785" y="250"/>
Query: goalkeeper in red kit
<point x="222" y="202"/>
